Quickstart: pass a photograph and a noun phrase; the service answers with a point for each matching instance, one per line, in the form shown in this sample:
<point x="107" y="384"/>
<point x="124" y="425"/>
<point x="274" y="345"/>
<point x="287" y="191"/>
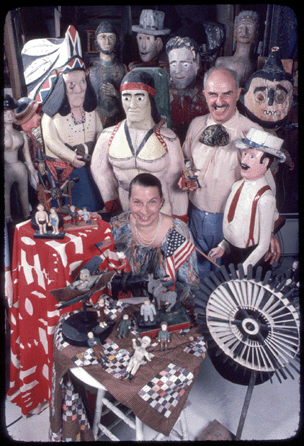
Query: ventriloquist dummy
<point x="251" y="206"/>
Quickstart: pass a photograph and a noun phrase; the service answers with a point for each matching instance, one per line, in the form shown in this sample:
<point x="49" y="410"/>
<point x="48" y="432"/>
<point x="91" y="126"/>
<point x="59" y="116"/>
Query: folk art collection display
<point x="127" y="162"/>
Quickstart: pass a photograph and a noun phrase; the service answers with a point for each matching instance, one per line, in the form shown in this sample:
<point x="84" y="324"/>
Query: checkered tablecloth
<point x="158" y="391"/>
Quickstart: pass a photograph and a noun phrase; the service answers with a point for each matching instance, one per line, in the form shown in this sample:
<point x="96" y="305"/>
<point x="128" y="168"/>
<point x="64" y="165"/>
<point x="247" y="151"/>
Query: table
<point x="39" y="266"/>
<point x="156" y="394"/>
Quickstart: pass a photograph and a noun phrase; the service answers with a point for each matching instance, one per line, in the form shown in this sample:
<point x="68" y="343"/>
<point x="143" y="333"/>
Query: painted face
<point x="268" y="101"/>
<point x="76" y="85"/>
<point x="136" y="104"/>
<point x="106" y="41"/>
<point x="221" y="95"/>
<point x="9" y="116"/>
<point x="149" y="46"/>
<point x="84" y="275"/>
<point x="245" y="31"/>
<point x="183" y="69"/>
<point x="145" y="204"/>
<point x="251" y="168"/>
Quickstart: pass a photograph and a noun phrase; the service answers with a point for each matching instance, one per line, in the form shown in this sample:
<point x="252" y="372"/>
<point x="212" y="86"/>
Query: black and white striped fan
<point x="250" y="324"/>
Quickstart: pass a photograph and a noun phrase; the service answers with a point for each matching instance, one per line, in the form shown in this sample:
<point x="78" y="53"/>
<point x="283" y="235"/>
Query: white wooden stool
<point x="81" y="374"/>
<point x="101" y="401"/>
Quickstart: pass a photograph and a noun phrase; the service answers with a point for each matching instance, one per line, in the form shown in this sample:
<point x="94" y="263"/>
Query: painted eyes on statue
<point x="279" y="97"/>
<point x="252" y="156"/>
<point x="71" y="85"/>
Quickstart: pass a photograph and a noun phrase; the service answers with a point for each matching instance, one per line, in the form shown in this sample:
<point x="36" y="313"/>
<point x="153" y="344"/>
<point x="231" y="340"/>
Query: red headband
<point x="137" y="86"/>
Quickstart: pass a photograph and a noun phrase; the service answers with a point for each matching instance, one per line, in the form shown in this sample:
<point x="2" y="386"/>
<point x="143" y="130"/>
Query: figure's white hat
<point x="151" y="22"/>
<point x="263" y="141"/>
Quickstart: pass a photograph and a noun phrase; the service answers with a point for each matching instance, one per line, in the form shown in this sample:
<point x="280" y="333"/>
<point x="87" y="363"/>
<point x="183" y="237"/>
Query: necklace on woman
<point x="148" y="241"/>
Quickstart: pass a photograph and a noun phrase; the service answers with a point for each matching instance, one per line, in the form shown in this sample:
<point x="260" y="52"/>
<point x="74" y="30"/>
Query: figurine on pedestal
<point x="249" y="213"/>
<point x="268" y="97"/>
<point x="149" y="39"/>
<point x="95" y="344"/>
<point x="187" y="99"/>
<point x="15" y="170"/>
<point x="139" y="144"/>
<point x="73" y="214"/>
<point x="42" y="218"/>
<point x="161" y="293"/>
<point x="107" y="73"/>
<point x="69" y="121"/>
<point x="54" y="220"/>
<point x="139" y="354"/>
<point x="147" y="310"/>
<point x="245" y="34"/>
<point x="163" y="336"/>
<point x="124" y="326"/>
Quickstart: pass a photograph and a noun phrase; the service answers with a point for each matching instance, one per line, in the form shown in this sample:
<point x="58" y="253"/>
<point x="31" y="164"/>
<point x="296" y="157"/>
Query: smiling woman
<point x="156" y="243"/>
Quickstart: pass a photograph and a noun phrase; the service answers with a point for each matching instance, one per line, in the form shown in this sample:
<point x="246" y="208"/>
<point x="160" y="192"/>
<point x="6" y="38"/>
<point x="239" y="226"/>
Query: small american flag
<point x="178" y="251"/>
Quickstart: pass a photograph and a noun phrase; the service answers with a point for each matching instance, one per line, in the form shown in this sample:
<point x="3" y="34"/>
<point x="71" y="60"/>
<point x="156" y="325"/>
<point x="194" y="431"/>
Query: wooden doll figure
<point x="69" y="121"/>
<point x="139" y="354"/>
<point x="15" y="171"/>
<point x="147" y="310"/>
<point x="42" y="218"/>
<point x="163" y="336"/>
<point x="249" y="213"/>
<point x="187" y="99"/>
<point x="150" y="32"/>
<point x="107" y="73"/>
<point x="95" y="344"/>
<point x="139" y="144"/>
<point x="54" y="220"/>
<point x="245" y="35"/>
<point x="124" y="326"/>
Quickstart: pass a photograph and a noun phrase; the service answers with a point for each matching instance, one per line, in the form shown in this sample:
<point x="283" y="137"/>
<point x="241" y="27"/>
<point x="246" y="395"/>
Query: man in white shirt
<point x="210" y="145"/>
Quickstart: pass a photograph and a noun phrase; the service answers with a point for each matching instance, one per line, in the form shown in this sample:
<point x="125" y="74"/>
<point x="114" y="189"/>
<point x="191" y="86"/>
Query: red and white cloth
<point x="39" y="266"/>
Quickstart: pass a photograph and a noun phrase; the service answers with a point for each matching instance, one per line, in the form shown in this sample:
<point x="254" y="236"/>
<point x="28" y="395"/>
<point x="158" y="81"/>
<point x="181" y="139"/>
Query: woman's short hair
<point x="146" y="179"/>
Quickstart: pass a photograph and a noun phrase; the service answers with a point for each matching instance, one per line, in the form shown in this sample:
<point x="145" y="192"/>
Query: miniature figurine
<point x="161" y="293"/>
<point x="86" y="215"/>
<point x="245" y="35"/>
<point x="70" y="120"/>
<point x="41" y="218"/>
<point x="101" y="316"/>
<point x="249" y="213"/>
<point x="54" y="220"/>
<point x="188" y="178"/>
<point x="124" y="326"/>
<point x="139" y="144"/>
<point x="106" y="74"/>
<point x="95" y="344"/>
<point x="147" y="310"/>
<point x="139" y="354"/>
<point x="149" y="39"/>
<point x="163" y="336"/>
<point x="15" y="170"/>
<point x="187" y="99"/>
<point x="85" y="282"/>
<point x="74" y="214"/>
